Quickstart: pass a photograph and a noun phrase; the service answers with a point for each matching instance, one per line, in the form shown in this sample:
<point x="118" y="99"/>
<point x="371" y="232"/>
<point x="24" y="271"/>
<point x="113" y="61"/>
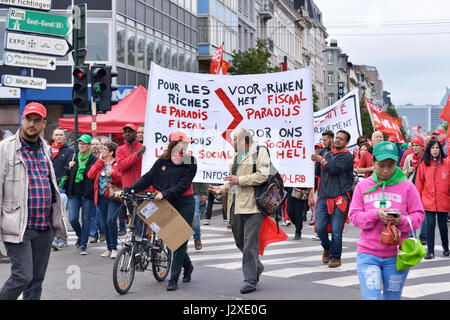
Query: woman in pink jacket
<point x="433" y="185"/>
<point x="386" y="196"/>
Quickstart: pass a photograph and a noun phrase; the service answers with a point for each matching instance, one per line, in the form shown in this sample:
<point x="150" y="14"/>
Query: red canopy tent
<point x="129" y="110"/>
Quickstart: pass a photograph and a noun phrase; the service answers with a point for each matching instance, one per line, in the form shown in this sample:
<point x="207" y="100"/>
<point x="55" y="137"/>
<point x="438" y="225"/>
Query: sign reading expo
<point x="37" y="44"/>
<point x="277" y="109"/>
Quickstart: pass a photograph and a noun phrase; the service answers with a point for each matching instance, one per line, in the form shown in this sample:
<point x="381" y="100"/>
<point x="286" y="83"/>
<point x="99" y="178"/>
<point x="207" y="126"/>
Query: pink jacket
<point x="363" y="214"/>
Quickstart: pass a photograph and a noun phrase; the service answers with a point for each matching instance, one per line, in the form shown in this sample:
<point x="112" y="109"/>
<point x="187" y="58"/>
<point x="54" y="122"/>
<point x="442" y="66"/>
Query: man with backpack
<point x="246" y="218"/>
<point x="334" y="197"/>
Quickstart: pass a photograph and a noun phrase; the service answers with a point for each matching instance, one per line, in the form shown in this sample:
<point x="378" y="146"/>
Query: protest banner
<point x="343" y="115"/>
<point x="277" y="109"/>
<point x="383" y="122"/>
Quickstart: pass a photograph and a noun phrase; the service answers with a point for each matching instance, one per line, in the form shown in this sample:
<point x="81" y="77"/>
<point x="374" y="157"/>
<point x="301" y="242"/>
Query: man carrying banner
<point x="246" y="220"/>
<point x="334" y="197"/>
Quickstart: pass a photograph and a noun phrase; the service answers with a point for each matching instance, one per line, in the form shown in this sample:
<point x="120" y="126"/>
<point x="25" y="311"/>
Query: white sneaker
<point x="107" y="253"/>
<point x="207" y="222"/>
<point x="113" y="254"/>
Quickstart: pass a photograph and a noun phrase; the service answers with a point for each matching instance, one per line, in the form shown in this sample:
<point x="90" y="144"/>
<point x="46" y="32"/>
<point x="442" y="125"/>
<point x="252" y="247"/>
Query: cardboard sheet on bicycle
<point x="166" y="221"/>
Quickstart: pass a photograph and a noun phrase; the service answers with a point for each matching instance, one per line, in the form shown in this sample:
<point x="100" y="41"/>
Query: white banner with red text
<point x="345" y="114"/>
<point x="276" y="108"/>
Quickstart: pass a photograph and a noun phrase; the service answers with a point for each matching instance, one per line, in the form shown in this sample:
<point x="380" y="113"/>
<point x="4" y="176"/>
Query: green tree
<point x="366" y="123"/>
<point x="315" y="99"/>
<point x="253" y="61"/>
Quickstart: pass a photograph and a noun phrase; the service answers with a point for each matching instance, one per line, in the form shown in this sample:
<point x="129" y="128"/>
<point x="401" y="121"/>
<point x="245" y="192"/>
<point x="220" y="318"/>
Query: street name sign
<point x="44" y="5"/>
<point x="38" y="22"/>
<point x="37" y="44"/>
<point x="24" y="82"/>
<point x="16" y="59"/>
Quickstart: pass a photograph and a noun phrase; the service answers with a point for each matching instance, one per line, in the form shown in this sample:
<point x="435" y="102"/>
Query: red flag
<point x="384" y="122"/>
<point x="269" y="234"/>
<point x="218" y="65"/>
<point x="445" y="114"/>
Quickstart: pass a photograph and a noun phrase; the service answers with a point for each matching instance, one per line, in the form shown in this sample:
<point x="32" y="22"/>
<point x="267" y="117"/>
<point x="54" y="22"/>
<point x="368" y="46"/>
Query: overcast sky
<point x="414" y="68"/>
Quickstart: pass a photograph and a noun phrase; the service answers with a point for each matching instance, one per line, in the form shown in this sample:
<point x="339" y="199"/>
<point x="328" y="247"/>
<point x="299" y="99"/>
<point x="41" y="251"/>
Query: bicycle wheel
<point x="123" y="270"/>
<point x="161" y="259"/>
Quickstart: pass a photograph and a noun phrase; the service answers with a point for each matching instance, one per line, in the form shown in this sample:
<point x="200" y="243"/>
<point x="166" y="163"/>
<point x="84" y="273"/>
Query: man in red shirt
<point x="129" y="161"/>
<point x="129" y="156"/>
<point x="365" y="165"/>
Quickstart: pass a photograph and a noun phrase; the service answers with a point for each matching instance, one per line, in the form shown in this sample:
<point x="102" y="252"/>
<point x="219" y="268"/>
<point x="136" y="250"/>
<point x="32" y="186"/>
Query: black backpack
<point x="270" y="195"/>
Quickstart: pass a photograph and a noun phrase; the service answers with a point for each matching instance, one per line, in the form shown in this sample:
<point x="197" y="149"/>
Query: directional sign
<point x="16" y="59"/>
<point x="37" y="44"/>
<point x="38" y="22"/>
<point x="44" y="5"/>
<point x="24" y="82"/>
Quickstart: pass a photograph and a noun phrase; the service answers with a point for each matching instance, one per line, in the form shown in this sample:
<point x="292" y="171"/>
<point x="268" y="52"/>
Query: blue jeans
<point x="109" y="210"/>
<point x="336" y="220"/>
<point x="423" y="228"/>
<point x="374" y="270"/>
<point x="441" y="217"/>
<point x="196" y="221"/>
<point x="87" y="211"/>
<point x="97" y="224"/>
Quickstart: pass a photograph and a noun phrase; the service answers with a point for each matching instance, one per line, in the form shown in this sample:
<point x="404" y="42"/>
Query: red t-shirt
<point x="366" y="161"/>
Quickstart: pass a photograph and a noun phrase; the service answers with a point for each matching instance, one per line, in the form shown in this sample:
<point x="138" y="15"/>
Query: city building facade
<point x="336" y="68"/>
<point x="218" y="25"/>
<point x="424" y="116"/>
<point x="127" y="35"/>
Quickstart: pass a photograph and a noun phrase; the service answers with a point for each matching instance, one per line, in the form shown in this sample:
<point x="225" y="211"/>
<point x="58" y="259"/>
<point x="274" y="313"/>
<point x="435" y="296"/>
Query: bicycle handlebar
<point x="134" y="196"/>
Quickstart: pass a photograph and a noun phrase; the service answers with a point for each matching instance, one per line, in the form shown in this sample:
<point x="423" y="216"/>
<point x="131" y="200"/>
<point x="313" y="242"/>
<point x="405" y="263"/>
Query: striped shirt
<point x="39" y="188"/>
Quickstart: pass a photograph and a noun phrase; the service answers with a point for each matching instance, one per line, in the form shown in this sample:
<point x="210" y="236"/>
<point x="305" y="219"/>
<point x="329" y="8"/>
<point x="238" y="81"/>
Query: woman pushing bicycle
<point x="172" y="175"/>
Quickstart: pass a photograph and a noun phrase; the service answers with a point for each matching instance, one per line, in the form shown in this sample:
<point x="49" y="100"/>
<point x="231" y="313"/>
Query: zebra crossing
<point x="302" y="260"/>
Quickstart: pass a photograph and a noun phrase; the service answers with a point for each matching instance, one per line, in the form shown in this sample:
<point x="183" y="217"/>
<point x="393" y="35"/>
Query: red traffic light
<point x="79" y="73"/>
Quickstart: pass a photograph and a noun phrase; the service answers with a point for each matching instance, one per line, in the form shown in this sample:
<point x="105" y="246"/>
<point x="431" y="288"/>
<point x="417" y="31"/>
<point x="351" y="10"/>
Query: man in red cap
<point x="394" y="140"/>
<point x="30" y="198"/>
<point x="129" y="156"/>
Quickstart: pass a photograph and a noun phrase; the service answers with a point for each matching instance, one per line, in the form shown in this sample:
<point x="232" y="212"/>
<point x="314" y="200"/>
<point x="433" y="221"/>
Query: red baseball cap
<point x="318" y="144"/>
<point x="419" y="140"/>
<point x="132" y="126"/>
<point x="392" y="139"/>
<point x="438" y="132"/>
<point x="179" y="136"/>
<point x="35" y="107"/>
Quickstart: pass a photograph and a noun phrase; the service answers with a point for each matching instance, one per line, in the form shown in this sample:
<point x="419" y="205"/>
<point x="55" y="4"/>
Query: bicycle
<point x="138" y="251"/>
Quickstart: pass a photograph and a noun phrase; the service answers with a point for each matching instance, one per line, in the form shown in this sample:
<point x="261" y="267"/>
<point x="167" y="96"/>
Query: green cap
<point x="385" y="150"/>
<point x="85" y="138"/>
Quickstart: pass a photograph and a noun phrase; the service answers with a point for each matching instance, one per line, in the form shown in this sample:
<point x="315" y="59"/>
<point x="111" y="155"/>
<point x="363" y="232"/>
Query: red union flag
<point x="218" y="65"/>
<point x="384" y="122"/>
<point x="445" y="114"/>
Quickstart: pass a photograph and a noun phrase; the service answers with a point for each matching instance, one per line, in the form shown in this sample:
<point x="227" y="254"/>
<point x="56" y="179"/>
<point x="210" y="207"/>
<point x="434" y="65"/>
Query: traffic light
<point x="101" y="87"/>
<point x="80" y="97"/>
